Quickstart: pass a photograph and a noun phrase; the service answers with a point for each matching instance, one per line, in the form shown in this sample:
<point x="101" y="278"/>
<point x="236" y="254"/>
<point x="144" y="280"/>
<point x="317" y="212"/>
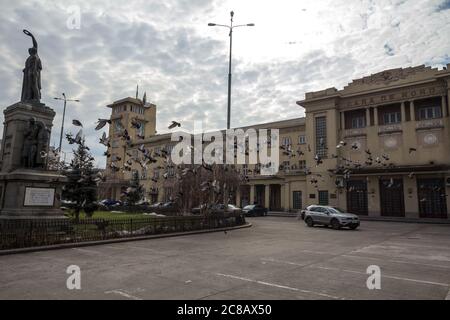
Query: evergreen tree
<point x="81" y="187"/>
<point x="135" y="192"/>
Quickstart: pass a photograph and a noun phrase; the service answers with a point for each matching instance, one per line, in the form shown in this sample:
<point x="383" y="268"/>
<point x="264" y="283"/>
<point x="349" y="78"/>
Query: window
<point x="321" y="136"/>
<point x="115" y="143"/>
<point x="297" y="199"/>
<point x="168" y="194"/>
<point x="301" y="139"/>
<point x="358" y="122"/>
<point x="117" y="126"/>
<point x="171" y="171"/>
<point x="392" y="117"/>
<point x="245" y="169"/>
<point x="323" y="197"/>
<point x="286" y="141"/>
<point x="430" y="112"/>
<point x="141" y="130"/>
<point x="302" y="165"/>
<point x="286" y="165"/>
<point x="144" y="174"/>
<point x="156" y="174"/>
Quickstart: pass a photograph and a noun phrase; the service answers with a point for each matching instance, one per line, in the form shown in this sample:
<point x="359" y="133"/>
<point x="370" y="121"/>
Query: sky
<point x="168" y="49"/>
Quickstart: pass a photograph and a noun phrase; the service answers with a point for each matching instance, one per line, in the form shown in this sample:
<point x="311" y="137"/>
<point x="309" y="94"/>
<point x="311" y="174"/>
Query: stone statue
<point x="31" y="86"/>
<point x="36" y="140"/>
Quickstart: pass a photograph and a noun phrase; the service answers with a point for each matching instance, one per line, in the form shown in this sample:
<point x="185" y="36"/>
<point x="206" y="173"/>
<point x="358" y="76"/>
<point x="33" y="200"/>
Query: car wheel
<point x="309" y="222"/>
<point x="335" y="224"/>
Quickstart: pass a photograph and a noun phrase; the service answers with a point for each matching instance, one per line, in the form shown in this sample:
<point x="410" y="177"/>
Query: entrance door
<point x="357" y="197"/>
<point x="260" y="191"/>
<point x="275" y="197"/>
<point x="432" y="198"/>
<point x="391" y="198"/>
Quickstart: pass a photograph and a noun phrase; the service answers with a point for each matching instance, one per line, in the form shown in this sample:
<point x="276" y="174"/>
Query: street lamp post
<point x="64" y="115"/>
<point x="230" y="27"/>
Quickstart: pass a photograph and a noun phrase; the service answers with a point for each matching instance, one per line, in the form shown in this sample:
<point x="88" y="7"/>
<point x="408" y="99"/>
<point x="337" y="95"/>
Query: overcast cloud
<point x="167" y="48"/>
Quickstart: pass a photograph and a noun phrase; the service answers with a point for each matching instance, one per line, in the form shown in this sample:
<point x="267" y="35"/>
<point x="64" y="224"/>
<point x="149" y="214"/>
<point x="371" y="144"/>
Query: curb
<point x="100" y="242"/>
<point x="379" y="219"/>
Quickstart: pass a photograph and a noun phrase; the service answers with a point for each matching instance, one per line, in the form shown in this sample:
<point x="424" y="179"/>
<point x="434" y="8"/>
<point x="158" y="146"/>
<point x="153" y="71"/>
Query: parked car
<point x="156" y="205"/>
<point x="111" y="203"/>
<point x="330" y="216"/>
<point x="254" y="210"/>
<point x="216" y="208"/>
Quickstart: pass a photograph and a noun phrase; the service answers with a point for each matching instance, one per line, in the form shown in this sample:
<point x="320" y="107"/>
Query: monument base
<point x="31" y="194"/>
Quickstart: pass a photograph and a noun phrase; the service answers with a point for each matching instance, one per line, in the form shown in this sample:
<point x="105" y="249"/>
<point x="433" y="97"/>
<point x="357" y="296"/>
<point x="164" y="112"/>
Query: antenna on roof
<point x="137" y="91"/>
<point x="144" y="98"/>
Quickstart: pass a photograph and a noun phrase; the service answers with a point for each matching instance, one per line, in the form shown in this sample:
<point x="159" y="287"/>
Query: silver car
<point x="329" y="216"/>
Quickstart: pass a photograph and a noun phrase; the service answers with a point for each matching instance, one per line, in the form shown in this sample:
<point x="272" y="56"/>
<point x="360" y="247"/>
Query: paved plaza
<point x="277" y="258"/>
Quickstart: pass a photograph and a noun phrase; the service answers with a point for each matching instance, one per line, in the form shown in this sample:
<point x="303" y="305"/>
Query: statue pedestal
<point x="17" y="117"/>
<point x="30" y="194"/>
<point x="27" y="193"/>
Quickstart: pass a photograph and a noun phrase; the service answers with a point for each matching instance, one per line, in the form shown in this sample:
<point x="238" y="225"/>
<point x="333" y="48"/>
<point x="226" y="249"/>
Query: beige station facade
<point x="395" y="161"/>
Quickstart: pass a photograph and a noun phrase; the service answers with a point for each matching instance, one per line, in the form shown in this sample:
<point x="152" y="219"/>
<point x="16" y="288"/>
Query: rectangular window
<point x="323" y="197"/>
<point x="115" y="143"/>
<point x="245" y="169"/>
<point x="144" y="174"/>
<point x="391" y="118"/>
<point x="286" y="141"/>
<point x="302" y="165"/>
<point x="297" y="200"/>
<point x="358" y="122"/>
<point x="432" y="112"/>
<point x="286" y="165"/>
<point x="321" y="136"/>
<point x="302" y="139"/>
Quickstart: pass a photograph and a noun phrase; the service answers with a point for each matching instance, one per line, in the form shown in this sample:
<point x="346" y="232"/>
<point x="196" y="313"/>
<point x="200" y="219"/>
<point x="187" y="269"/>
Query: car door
<point x="321" y="215"/>
<point x="258" y="210"/>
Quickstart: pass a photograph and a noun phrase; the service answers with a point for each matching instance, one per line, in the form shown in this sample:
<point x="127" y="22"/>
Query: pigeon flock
<point x="148" y="160"/>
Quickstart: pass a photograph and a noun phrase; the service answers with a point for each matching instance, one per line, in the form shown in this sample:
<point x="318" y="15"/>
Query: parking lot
<point x="277" y="258"/>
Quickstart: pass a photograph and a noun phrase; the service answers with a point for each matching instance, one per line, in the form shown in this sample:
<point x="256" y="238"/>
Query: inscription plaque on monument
<point x="39" y="197"/>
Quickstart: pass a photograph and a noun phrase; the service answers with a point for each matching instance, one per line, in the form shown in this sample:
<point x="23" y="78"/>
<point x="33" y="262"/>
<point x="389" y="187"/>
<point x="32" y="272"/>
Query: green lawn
<point x="114" y="215"/>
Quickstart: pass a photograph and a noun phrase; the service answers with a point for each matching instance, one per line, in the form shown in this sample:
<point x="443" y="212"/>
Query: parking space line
<point x="278" y="286"/>
<point x="386" y="276"/>
<point x="123" y="294"/>
<point x="397" y="261"/>
<point x="283" y="262"/>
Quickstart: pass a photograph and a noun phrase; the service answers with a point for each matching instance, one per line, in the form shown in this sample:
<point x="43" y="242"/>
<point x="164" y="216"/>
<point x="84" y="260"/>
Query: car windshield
<point x="249" y="207"/>
<point x="336" y="210"/>
<point x="232" y="206"/>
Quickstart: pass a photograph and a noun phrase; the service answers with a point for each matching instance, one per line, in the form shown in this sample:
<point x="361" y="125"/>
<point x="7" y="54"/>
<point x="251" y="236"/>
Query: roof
<point x="130" y="100"/>
<point x="381" y="81"/>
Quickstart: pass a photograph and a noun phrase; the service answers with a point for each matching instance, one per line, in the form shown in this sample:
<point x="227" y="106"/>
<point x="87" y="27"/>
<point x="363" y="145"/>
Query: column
<point x="402" y="108"/>
<point x="367" y="117"/>
<point x="342" y="120"/>
<point x="412" y="110"/>
<point x="267" y="196"/>
<point x="444" y="107"/>
<point x="375" y="116"/>
<point x="252" y="194"/>
<point x="287" y="197"/>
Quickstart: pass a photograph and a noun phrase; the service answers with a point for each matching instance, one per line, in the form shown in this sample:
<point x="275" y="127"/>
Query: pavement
<point x="277" y="258"/>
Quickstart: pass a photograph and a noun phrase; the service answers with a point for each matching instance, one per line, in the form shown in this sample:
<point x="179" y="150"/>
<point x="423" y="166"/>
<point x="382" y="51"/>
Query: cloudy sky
<point x="167" y="48"/>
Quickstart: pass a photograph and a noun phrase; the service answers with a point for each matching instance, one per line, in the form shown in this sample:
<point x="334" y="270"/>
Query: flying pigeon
<point x="174" y="124"/>
<point x="77" y="123"/>
<point x="101" y="123"/>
